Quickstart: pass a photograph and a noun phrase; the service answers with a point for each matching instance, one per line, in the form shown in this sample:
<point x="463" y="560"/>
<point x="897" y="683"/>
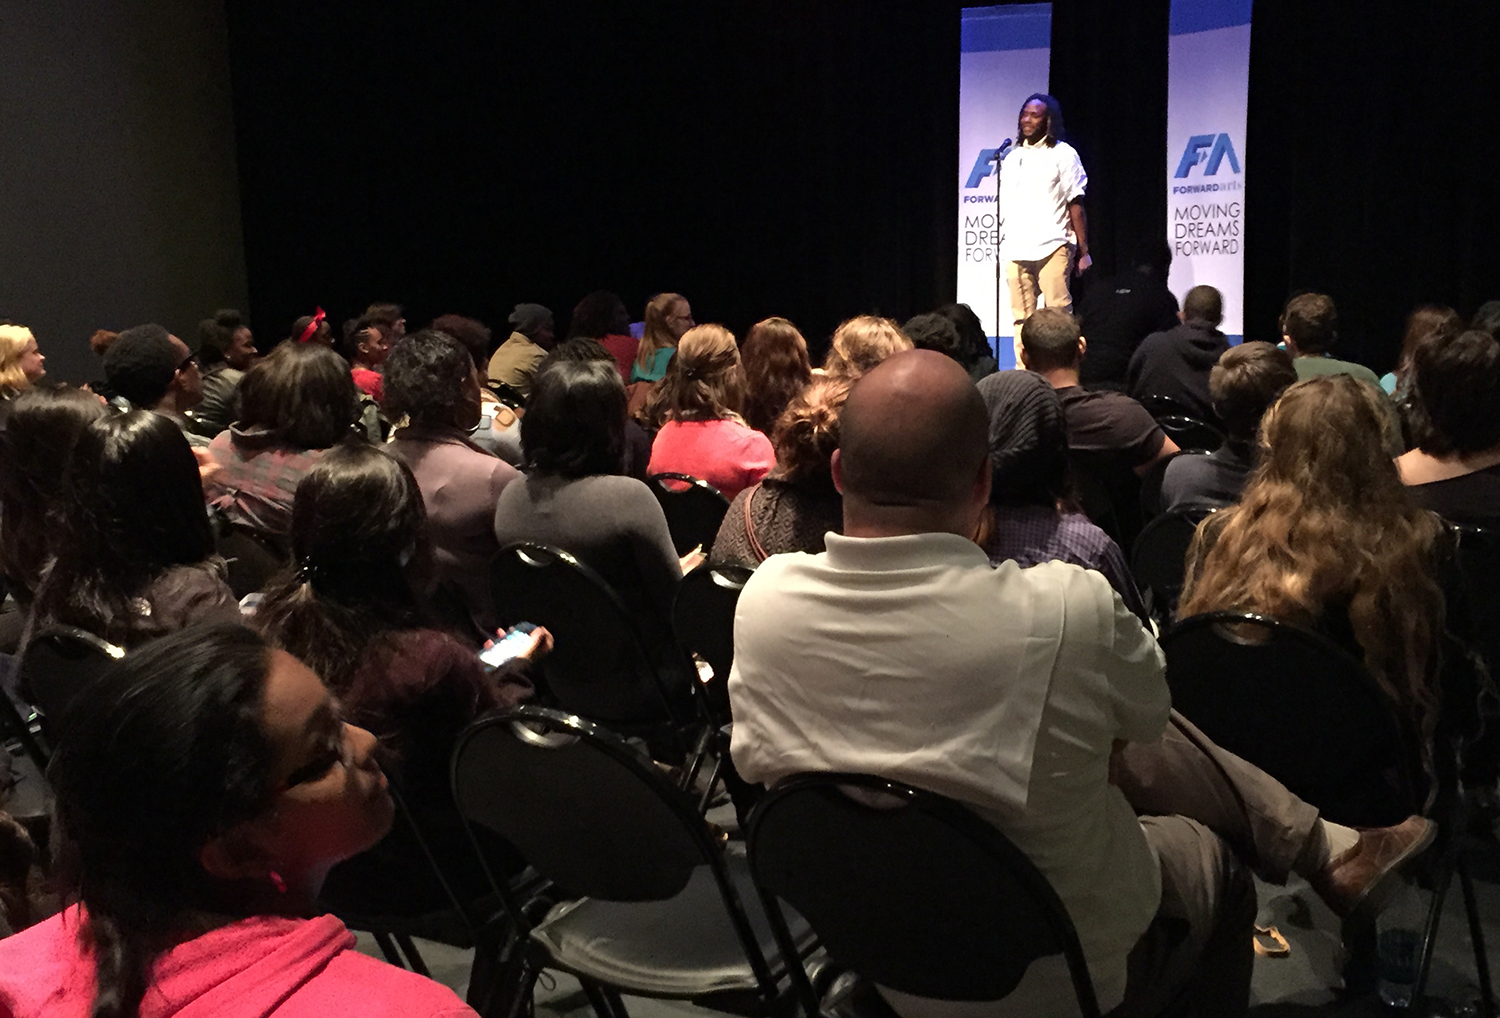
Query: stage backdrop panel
<point x="1005" y="58"/>
<point x="1208" y="75"/>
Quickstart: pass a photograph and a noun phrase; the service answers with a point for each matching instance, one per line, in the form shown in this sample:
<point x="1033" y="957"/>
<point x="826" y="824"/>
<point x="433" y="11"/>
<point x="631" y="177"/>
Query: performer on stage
<point x="1044" y="239"/>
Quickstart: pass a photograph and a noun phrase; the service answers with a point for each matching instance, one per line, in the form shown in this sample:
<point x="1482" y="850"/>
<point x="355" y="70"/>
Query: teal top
<point x="656" y="368"/>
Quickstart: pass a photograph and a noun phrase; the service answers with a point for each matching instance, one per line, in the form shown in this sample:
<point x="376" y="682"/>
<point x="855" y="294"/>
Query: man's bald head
<point x="913" y="434"/>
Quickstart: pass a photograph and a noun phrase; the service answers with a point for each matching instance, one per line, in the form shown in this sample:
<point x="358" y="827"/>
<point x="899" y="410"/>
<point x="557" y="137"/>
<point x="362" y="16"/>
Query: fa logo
<point x="1219" y="148"/>
<point x="983" y="167"/>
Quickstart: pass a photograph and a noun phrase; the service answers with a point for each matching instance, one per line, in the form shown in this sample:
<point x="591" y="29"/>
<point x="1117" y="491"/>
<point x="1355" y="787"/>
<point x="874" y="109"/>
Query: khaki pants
<point x="1049" y="277"/>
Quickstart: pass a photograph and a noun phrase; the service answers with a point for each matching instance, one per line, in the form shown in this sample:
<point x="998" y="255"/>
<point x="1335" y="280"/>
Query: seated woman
<point x="134" y="553"/>
<point x="351" y="610"/>
<point x="776" y="371"/>
<point x="1034" y="515"/>
<point x="226" y="350"/>
<point x="668" y="317"/>
<point x="697" y="407"/>
<point x="1429" y="321"/>
<point x="797" y="504"/>
<point x="210" y="786"/>
<point x="861" y="343"/>
<point x="20" y="364"/>
<point x="431" y="381"/>
<point x="294" y="405"/>
<point x="574" y="498"/>
<point x="499" y="427"/>
<point x="1455" y="468"/>
<point x="1325" y="537"/>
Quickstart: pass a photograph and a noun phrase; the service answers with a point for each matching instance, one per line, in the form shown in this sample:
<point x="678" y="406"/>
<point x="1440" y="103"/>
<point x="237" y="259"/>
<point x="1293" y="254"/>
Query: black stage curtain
<point x="800" y="159"/>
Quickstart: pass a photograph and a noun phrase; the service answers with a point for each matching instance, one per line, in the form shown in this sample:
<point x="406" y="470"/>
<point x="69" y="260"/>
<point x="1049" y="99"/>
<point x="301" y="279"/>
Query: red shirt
<point x="369" y="382"/>
<point x="726" y="454"/>
<point x="622" y="349"/>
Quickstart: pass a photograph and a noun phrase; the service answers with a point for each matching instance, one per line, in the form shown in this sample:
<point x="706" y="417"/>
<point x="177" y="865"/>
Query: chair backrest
<point x="703" y="617"/>
<point x="599" y="667"/>
<point x="1165" y="406"/>
<point x="508" y="394"/>
<point x="1300" y="708"/>
<point x="1110" y="492"/>
<point x="253" y="559"/>
<point x="1159" y="559"/>
<point x="58" y="664"/>
<point x="579" y="804"/>
<point x="1479" y="562"/>
<point x="694" y="509"/>
<point x="909" y="889"/>
<point x="1190" y="432"/>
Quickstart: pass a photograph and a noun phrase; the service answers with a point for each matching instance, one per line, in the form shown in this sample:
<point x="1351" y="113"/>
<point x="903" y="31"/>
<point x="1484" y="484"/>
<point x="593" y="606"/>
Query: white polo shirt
<point x="1036" y="184"/>
<point x="1004" y="688"/>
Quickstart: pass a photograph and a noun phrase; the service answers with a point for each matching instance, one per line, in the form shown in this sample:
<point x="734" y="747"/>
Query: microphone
<point x="1005" y="146"/>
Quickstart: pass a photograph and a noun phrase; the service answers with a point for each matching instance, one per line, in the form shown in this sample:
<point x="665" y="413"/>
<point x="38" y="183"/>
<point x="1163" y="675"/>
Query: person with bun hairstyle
<point x="208" y="785"/>
<point x="697" y="406"/>
<point x="797" y="504"/>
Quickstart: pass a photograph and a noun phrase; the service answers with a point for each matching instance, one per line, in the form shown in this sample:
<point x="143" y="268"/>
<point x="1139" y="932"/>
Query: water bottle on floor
<point x="1398" y="932"/>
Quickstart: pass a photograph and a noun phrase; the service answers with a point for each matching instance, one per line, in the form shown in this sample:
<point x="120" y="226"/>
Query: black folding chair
<point x="602" y="667"/>
<point x="1159" y="559"/>
<point x="1309" y="714"/>
<point x="703" y="617"/>
<point x="908" y="889"/>
<point x="1110" y="492"/>
<point x="665" y="912"/>
<point x="694" y="509"/>
<point x="58" y="664"/>
<point x="509" y="395"/>
<point x="1190" y="432"/>
<point x="1478" y="551"/>
<point x="253" y="559"/>
<point x="1166" y="406"/>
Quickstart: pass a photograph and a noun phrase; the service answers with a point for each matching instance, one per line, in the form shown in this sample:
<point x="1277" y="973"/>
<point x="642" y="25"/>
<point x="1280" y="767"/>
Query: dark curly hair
<point x="425" y="376"/>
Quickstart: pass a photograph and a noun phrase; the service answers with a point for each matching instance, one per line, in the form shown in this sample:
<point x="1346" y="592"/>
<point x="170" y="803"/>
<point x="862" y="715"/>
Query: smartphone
<point x="509" y="646"/>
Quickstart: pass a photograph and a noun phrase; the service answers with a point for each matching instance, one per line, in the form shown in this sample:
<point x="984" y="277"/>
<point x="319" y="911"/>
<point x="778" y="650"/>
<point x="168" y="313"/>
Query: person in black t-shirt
<point x="1118" y="312"/>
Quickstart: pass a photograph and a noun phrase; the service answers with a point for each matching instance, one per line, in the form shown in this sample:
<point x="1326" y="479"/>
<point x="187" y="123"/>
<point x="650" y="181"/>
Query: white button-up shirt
<point x="1036" y="184"/>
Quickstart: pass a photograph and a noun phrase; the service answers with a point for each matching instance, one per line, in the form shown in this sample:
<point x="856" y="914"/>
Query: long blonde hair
<point x="657" y="334"/>
<point x="704" y="382"/>
<point x="13" y="340"/>
<point x="863" y="342"/>
<point x="1325" y="522"/>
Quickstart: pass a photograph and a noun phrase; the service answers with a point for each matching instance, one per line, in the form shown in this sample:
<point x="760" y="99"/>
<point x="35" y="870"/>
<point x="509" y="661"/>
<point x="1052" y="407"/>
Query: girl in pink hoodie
<point x="205" y="786"/>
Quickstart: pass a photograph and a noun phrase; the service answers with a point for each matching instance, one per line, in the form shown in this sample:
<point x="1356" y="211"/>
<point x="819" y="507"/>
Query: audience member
<point x="1012" y="690"/>
<point x="101" y="340"/>
<point x="668" y="316"/>
<point x="1487" y="318"/>
<point x="134" y="553"/>
<point x="1309" y="329"/>
<point x="1426" y="322"/>
<point x="294" y="405"/>
<point x="637" y="439"/>
<point x="602" y="316"/>
<point x="797" y="503"/>
<point x="1034" y="514"/>
<point x="974" y="342"/>
<point x="351" y="608"/>
<point x="531" y="338"/>
<point x="1324" y="536"/>
<point x="1118" y="312"/>
<point x="388" y="319"/>
<point x="777" y="370"/>
<point x="366" y="347"/>
<point x="36" y="447"/>
<point x="697" y="406"/>
<point x="861" y="343"/>
<point x="499" y="427"/>
<point x="431" y="379"/>
<point x="226" y="350"/>
<point x="210" y="787"/>
<point x="573" y="497"/>
<point x="20" y="363"/>
<point x="1098" y="422"/>
<point x="1246" y="382"/>
<point x="1455" y="469"/>
<point x="1176" y="363"/>
<point x="933" y="331"/>
<point x="154" y="370"/>
<point x="312" y="329"/>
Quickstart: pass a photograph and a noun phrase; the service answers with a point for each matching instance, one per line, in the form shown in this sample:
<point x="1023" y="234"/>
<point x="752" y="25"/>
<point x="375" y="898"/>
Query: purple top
<point x="1032" y="535"/>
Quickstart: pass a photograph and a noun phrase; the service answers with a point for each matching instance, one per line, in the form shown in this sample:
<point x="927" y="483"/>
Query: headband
<point x="312" y="326"/>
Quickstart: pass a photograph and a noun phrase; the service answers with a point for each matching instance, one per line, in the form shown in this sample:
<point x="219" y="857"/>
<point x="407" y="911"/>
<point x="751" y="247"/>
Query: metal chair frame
<point x="677" y="504"/>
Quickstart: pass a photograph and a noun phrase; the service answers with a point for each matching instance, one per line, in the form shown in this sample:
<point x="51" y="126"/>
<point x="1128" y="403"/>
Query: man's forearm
<point x="1080" y="226"/>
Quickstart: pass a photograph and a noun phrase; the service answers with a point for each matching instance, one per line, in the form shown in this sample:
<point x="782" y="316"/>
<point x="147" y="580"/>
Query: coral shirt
<point x="726" y="454"/>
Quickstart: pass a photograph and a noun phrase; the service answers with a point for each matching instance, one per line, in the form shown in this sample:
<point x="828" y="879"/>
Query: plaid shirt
<point x="257" y="478"/>
<point x="1035" y="534"/>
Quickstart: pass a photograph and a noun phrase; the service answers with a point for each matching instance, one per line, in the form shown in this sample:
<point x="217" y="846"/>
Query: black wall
<point x="118" y="191"/>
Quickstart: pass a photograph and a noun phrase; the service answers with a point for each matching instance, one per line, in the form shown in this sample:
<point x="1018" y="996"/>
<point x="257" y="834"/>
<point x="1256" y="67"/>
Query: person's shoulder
<point x="377" y="989"/>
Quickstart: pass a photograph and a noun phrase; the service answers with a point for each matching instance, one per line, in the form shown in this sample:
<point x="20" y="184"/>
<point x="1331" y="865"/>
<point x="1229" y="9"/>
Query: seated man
<point x="517" y="359"/>
<point x="901" y="652"/>
<point x="154" y="370"/>
<point x="1176" y="363"/>
<point x="1309" y="329"/>
<point x="1243" y="385"/>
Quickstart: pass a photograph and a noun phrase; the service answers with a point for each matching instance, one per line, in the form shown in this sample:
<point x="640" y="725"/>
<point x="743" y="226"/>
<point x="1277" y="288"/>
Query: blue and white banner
<point x="1208" y="80"/>
<point x="1006" y="55"/>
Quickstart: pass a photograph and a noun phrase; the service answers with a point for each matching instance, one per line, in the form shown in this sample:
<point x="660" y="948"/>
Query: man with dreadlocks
<point x="1043" y="236"/>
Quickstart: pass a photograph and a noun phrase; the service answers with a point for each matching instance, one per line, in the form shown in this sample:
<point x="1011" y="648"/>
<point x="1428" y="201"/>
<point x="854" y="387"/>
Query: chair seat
<point x="682" y="947"/>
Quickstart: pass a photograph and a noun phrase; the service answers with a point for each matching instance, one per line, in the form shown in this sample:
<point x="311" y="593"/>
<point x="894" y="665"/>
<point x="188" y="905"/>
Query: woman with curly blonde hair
<point x="698" y="407"/>
<point x="797" y="504"/>
<point x="1326" y="537"/>
<point x="861" y="343"/>
<point x="776" y="371"/>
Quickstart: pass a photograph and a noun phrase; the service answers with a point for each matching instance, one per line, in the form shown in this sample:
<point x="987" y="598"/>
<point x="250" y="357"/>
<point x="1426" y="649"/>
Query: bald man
<point x="901" y="652"/>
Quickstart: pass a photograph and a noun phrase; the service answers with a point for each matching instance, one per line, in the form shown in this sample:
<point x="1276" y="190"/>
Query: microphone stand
<point x="999" y="158"/>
